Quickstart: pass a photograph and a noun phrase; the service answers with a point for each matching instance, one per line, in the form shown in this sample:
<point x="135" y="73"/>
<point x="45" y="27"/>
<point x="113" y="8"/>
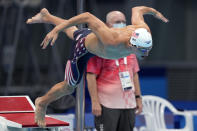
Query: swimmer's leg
<point x="57" y="91"/>
<point x="45" y="17"/>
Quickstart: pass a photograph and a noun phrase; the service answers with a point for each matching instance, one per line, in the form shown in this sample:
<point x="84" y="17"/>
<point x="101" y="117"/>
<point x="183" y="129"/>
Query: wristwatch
<point x="138" y="96"/>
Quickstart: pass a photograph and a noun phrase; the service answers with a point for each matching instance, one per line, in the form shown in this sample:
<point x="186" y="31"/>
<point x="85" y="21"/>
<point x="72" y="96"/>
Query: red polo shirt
<point x="109" y="87"/>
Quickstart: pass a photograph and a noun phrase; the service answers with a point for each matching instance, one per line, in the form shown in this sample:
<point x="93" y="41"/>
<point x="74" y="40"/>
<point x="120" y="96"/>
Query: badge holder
<point x="125" y="78"/>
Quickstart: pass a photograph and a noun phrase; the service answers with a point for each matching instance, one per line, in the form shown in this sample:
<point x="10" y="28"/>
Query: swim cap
<point x="142" y="39"/>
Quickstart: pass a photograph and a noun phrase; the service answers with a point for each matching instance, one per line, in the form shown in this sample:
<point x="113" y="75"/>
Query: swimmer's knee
<point x="68" y="88"/>
<point x="71" y="89"/>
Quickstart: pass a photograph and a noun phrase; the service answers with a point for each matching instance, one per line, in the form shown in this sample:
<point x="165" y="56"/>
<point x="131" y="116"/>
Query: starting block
<point x="18" y="112"/>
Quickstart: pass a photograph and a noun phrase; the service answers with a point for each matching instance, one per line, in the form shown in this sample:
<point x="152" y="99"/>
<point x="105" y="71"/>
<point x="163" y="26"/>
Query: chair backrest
<point x="154" y="109"/>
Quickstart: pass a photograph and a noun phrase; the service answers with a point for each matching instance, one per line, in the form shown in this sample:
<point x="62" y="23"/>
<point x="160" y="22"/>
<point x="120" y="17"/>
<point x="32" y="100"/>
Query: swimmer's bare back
<point x="111" y="49"/>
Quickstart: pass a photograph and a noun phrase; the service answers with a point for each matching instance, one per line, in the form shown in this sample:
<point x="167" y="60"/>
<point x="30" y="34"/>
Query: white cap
<point x="141" y="38"/>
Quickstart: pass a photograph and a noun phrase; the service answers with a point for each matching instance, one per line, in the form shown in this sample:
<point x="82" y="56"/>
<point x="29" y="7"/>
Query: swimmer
<point x="100" y="40"/>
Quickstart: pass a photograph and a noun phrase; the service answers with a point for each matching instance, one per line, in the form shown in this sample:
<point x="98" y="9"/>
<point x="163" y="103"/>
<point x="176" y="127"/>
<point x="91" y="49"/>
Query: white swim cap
<point x="142" y="39"/>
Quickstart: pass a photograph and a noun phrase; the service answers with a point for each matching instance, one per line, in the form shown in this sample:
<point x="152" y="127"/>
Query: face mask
<point x="119" y="25"/>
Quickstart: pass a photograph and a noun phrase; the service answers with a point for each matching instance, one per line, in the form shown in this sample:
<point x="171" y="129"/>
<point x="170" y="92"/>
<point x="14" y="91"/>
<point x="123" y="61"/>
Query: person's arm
<point x="84" y="18"/>
<point x="104" y="33"/>
<point x="138" y="12"/>
<point x="137" y="93"/>
<point x="92" y="88"/>
<point x="69" y="31"/>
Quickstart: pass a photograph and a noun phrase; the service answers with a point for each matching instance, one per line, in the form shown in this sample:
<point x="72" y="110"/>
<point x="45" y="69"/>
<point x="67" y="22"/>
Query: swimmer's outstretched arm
<point x="138" y="12"/>
<point x="96" y="25"/>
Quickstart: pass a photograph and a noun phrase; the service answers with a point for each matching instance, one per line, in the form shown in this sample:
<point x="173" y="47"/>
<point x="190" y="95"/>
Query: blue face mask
<point x="119" y="25"/>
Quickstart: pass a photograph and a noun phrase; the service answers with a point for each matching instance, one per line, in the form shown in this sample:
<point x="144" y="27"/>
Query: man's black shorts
<point x="115" y="120"/>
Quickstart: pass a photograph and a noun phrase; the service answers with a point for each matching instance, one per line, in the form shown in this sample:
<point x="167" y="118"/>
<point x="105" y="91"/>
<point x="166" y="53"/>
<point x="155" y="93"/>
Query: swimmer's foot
<point x="41" y="17"/>
<point x="40" y="112"/>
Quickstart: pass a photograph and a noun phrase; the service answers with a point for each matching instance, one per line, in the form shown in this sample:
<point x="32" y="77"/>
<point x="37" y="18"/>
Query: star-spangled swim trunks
<point x="76" y="67"/>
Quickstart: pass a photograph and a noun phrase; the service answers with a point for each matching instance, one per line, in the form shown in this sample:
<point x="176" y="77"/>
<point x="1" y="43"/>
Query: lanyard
<point x="125" y="61"/>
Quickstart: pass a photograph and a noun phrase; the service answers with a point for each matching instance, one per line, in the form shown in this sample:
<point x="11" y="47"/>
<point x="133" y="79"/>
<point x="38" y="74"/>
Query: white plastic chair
<point x="154" y="109"/>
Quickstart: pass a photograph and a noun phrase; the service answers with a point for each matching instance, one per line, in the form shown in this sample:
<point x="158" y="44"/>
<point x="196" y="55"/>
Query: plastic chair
<point x="154" y="109"/>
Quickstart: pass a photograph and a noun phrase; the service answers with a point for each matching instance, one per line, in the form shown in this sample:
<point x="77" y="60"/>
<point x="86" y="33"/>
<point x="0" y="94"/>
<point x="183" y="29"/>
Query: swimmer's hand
<point x="158" y="15"/>
<point x="51" y="37"/>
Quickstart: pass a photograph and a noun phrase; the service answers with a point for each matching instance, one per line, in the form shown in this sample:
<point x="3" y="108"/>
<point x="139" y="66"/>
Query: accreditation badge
<point x="125" y="80"/>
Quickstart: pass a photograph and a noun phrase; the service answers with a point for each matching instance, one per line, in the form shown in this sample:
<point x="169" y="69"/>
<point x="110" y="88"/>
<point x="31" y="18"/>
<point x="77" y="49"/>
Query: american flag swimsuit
<point x="76" y="67"/>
